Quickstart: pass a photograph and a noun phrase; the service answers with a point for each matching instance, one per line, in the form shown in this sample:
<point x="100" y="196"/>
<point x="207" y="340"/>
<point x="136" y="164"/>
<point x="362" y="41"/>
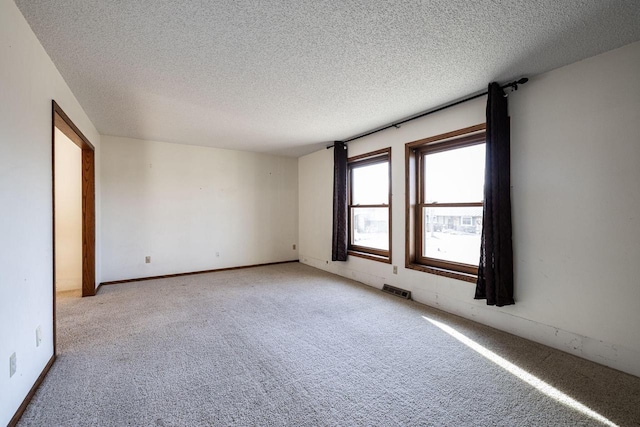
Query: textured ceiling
<point x="288" y="76"/>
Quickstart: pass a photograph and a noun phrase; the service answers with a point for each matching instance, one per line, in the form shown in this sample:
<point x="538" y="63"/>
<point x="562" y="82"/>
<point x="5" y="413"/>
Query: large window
<point x="370" y="205"/>
<point x="445" y="191"/>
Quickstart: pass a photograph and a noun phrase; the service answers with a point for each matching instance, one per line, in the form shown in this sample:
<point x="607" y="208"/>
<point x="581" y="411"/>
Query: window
<point x="445" y="189"/>
<point x="370" y="205"/>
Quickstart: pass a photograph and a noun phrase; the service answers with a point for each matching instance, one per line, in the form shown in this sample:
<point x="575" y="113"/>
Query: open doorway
<point x="73" y="209"/>
<point x="68" y="215"/>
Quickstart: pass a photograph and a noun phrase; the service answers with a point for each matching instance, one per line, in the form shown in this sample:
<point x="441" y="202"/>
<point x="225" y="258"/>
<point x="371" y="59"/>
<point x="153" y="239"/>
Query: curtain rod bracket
<point x="514" y="85"/>
<point x="334" y="144"/>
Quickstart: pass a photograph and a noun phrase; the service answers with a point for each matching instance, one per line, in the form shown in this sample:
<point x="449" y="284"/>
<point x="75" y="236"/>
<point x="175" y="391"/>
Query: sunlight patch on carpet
<point x="532" y="380"/>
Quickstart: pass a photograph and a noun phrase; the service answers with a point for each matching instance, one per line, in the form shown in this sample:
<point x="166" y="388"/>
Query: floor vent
<point x="397" y="291"/>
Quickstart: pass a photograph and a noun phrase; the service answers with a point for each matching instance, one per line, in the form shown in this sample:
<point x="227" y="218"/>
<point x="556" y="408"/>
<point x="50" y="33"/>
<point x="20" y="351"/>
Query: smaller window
<point x="370" y="205"/>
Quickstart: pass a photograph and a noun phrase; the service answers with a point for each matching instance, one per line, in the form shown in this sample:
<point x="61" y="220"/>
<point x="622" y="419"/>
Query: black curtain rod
<point x="396" y="125"/>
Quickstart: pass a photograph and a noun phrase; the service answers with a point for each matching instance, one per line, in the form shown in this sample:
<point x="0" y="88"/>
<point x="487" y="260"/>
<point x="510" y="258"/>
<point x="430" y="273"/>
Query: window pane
<point x="452" y="234"/>
<point x="370" y="184"/>
<point x="454" y="175"/>
<point x="370" y="227"/>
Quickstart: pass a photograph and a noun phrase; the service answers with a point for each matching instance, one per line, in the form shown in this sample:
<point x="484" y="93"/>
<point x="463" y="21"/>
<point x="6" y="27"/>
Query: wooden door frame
<point x="62" y="122"/>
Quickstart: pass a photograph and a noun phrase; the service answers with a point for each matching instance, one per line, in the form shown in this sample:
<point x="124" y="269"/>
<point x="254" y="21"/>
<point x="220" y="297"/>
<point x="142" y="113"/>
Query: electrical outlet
<point x="147" y="260"/>
<point x="395" y="269"/>
<point x="12" y="365"/>
<point x="217" y="254"/>
<point x="38" y="336"/>
<point x="294" y="247"/>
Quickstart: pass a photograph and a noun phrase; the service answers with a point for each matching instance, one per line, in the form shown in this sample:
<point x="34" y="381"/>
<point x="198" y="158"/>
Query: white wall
<point x="28" y="83"/>
<point x="68" y="207"/>
<point x="182" y="205"/>
<point x="576" y="198"/>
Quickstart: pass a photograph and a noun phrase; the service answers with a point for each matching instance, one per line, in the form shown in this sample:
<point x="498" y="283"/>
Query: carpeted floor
<point x="291" y="345"/>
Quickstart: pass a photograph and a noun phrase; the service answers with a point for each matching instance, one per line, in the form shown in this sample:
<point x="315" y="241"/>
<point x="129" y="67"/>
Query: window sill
<point x="384" y="259"/>
<point x="471" y="278"/>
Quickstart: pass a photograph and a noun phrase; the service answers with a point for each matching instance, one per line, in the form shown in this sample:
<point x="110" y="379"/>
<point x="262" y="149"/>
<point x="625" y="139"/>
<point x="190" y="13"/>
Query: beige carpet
<point x="291" y="345"/>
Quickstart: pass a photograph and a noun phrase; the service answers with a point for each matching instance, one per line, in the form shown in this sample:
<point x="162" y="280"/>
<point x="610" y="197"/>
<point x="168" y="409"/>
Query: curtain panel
<point x="340" y="232"/>
<point x="495" y="270"/>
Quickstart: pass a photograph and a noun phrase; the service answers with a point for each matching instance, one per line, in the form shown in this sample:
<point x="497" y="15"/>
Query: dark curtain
<point x="340" y="234"/>
<point x="495" y="270"/>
